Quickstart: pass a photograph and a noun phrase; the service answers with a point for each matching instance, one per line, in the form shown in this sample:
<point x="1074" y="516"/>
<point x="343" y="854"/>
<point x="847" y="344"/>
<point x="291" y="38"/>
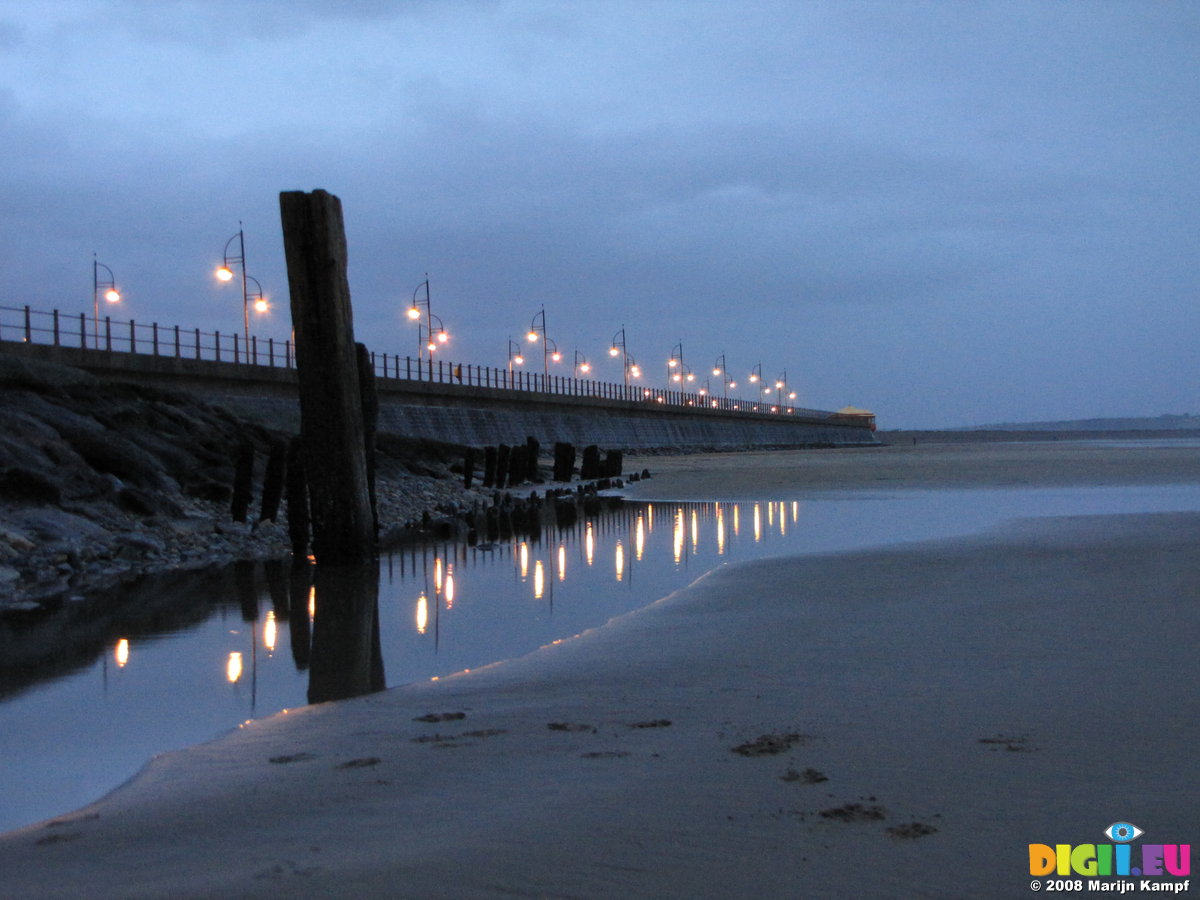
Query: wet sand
<point x="900" y="722"/>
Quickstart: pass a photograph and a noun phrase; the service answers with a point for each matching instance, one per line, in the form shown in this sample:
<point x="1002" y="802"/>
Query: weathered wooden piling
<point x="590" y="467"/>
<point x="613" y="463"/>
<point x="489" y="467"/>
<point x="331" y="419"/>
<point x="564" y="461"/>
<point x="272" y="491"/>
<point x="502" y="454"/>
<point x="296" y="489"/>
<point x="516" y="465"/>
<point x="532" y="449"/>
<point x="368" y="395"/>
<point x="468" y="467"/>
<point x="243" y="480"/>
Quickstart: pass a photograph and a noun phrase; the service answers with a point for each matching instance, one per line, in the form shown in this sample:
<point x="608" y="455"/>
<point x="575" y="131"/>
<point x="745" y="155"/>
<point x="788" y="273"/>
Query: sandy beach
<point x="897" y="722"/>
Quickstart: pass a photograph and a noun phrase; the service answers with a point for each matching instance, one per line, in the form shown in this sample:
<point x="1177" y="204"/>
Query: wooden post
<point x="331" y="421"/>
<point x="489" y="466"/>
<point x="369" y="395"/>
<point x="243" y="480"/>
<point x="273" y="482"/>
<point x="296" y="488"/>
<point x="531" y="460"/>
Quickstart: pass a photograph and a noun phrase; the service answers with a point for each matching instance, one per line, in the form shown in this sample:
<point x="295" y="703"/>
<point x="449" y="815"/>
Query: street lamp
<point x="581" y="363"/>
<point x="756" y="378"/>
<point x="514" y="355"/>
<point x="111" y="294"/>
<point x="435" y="337"/>
<point x="256" y="298"/>
<point x="780" y="386"/>
<point x="674" y="362"/>
<point x="719" y="369"/>
<point x="618" y="349"/>
<point x="537" y="330"/>
<point x="225" y="273"/>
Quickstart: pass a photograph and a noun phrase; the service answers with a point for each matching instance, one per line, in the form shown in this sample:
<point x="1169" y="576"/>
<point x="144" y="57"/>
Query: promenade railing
<point x="104" y="335"/>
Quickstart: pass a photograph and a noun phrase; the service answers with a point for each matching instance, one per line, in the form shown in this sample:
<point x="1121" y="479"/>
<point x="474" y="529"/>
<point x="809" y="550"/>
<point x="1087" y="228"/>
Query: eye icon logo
<point x="1122" y="832"/>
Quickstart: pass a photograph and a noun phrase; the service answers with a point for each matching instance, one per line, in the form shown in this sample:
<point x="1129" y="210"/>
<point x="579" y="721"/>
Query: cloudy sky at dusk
<point x="951" y="213"/>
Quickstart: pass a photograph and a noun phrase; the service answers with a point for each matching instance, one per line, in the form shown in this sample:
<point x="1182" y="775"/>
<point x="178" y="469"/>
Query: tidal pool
<point x="89" y="694"/>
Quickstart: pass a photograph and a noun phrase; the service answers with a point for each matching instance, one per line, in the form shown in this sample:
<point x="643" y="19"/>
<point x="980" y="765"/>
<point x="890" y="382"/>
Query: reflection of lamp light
<point x="620" y="561"/>
<point x="562" y="562"/>
<point x="270" y="631"/>
<point x="233" y="668"/>
<point x="121" y="653"/>
<point x="422" y="613"/>
<point x="539" y="580"/>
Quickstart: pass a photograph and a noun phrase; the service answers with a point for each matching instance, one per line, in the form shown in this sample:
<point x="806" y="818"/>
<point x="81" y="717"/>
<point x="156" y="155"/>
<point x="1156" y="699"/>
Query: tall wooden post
<point x="331" y="421"/>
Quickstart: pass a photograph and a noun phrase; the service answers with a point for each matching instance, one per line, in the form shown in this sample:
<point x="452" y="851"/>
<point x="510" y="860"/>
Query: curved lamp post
<point x="514" y="355"/>
<point x="435" y="337"/>
<point x="111" y="294"/>
<point x="537" y="331"/>
<point x="618" y="348"/>
<point x="756" y="378"/>
<point x="225" y="273"/>
<point x="581" y="363"/>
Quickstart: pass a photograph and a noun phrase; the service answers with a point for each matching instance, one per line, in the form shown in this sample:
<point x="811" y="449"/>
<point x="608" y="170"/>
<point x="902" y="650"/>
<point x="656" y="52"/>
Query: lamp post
<point x="581" y="363"/>
<point x="780" y="386"/>
<point x="618" y="349"/>
<point x="537" y="331"/>
<point x="756" y="378"/>
<point x="514" y="356"/>
<point x="675" y="361"/>
<point x="440" y="336"/>
<point x="111" y="294"/>
<point x="720" y="369"/>
<point x="225" y="273"/>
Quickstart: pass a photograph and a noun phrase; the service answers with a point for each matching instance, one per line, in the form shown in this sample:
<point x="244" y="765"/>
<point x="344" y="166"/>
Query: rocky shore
<point x="102" y="481"/>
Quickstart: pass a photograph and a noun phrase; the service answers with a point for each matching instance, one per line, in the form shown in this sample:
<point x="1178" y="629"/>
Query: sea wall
<point x="472" y="414"/>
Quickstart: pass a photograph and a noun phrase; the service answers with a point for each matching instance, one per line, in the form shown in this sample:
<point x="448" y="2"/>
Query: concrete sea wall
<point x="472" y="414"/>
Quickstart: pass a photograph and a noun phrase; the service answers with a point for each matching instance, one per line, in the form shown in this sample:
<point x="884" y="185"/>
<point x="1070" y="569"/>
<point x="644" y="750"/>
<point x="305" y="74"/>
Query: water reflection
<point x="98" y="687"/>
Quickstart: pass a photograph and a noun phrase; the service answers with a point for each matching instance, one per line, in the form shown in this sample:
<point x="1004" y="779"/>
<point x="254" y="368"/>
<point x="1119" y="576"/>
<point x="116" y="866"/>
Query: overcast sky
<point x="951" y="213"/>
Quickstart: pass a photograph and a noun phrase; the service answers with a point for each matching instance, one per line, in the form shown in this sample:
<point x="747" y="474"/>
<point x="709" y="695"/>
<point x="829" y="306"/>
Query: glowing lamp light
<point x="224" y="273"/>
<point x="519" y="359"/>
<point x="261" y="305"/>
<point x="556" y="356"/>
<point x="584" y="367"/>
<point x="112" y="295"/>
<point x="691" y="377"/>
<point x="414" y="313"/>
<point x="716" y="371"/>
<point x="613" y="351"/>
<point x="442" y="337"/>
<point x="672" y="362"/>
<point x="532" y="337"/>
<point x="753" y="379"/>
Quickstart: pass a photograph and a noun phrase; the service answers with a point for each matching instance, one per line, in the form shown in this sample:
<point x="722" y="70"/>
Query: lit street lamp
<point x="537" y="330"/>
<point x="618" y="349"/>
<point x="756" y="378"/>
<point x="581" y="363"/>
<point x="225" y="273"/>
<point x="426" y="329"/>
<point x="514" y="355"/>
<point x="111" y="294"/>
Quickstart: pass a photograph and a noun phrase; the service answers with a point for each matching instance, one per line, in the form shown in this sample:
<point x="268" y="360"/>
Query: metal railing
<point x="30" y="326"/>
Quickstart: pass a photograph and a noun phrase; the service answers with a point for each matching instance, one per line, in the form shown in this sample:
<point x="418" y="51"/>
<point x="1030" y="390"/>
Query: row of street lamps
<point x="677" y="372"/>
<point x="105" y="285"/>
<point x="431" y="331"/>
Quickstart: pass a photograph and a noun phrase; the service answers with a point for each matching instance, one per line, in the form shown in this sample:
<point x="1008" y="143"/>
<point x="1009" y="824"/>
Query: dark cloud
<point x="954" y="213"/>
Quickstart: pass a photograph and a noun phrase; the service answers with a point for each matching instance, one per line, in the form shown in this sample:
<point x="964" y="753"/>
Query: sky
<point x="950" y="213"/>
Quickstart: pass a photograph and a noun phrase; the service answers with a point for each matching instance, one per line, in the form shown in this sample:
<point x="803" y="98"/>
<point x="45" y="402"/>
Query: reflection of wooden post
<point x="346" y="653"/>
<point x="331" y="423"/>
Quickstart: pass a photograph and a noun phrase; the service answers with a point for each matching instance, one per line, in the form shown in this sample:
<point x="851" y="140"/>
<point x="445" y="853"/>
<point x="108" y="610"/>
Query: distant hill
<point x="1165" y="422"/>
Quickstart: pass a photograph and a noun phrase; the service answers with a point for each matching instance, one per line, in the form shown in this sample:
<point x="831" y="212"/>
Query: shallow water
<point x="88" y="695"/>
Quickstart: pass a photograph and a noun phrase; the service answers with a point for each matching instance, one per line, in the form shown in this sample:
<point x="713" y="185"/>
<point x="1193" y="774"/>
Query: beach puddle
<point x="90" y="693"/>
